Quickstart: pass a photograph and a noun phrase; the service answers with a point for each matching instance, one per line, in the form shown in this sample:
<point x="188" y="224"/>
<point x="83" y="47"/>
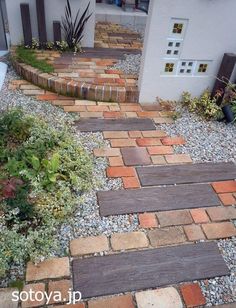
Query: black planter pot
<point x="228" y="113"/>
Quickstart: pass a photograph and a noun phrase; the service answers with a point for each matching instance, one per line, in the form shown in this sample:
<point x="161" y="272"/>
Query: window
<point x="173" y="48"/>
<point x="186" y="67"/>
<point x="202" y="68"/>
<point x="169" y="67"/>
<point x="178" y="28"/>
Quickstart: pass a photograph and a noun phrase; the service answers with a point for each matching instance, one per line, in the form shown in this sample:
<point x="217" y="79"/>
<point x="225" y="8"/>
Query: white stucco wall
<point x="54" y="10"/>
<point x="209" y="34"/>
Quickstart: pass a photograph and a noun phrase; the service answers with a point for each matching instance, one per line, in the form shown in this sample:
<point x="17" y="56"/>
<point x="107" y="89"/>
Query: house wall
<point x="54" y="10"/>
<point x="208" y="33"/>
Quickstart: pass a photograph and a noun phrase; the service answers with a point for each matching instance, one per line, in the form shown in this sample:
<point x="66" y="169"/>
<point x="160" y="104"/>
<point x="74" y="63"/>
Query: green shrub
<point x="44" y="171"/>
<point x="203" y="105"/>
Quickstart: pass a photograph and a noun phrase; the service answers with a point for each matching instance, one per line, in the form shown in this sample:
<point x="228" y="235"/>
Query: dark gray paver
<point x="181" y="174"/>
<point x="146" y="269"/>
<point x="97" y="125"/>
<point x="156" y="199"/>
<point x="135" y="156"/>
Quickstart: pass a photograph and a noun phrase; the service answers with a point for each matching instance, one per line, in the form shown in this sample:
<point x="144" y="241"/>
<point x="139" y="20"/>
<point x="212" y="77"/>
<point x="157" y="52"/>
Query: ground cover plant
<point x="205" y="105"/>
<point x="28" y="56"/>
<point x="43" y="172"/>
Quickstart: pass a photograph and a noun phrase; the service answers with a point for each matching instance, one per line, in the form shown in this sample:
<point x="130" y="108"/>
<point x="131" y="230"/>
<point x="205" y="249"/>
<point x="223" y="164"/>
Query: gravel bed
<point x="222" y="290"/>
<point x="86" y="220"/>
<point x="206" y="141"/>
<point x="131" y="64"/>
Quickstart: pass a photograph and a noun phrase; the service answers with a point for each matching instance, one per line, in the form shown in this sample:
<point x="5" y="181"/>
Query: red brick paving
<point x="192" y="295"/>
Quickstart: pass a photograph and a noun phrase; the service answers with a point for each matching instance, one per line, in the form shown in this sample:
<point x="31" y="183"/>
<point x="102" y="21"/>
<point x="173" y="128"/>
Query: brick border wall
<point x="72" y="88"/>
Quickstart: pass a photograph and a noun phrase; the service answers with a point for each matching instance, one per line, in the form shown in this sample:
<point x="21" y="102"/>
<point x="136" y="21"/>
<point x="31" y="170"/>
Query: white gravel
<point x="222" y="290"/>
<point x="131" y="64"/>
<point x="206" y="141"/>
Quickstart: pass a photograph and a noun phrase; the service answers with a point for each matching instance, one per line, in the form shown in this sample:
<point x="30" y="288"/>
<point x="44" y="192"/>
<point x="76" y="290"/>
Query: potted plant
<point x="228" y="100"/>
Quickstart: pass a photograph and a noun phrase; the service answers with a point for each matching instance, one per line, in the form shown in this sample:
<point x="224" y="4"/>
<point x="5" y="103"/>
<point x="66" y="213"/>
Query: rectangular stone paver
<point x="48" y="269"/>
<point x="131" y="240"/>
<point x="87" y="245"/>
<point x="219" y="230"/>
<point x="222" y="213"/>
<point x="6" y="298"/>
<point x="184" y="174"/>
<point x="144" y="269"/>
<point x="35" y="287"/>
<point x="124" y="301"/>
<point x="95" y="125"/>
<point x="155" y="199"/>
<point x="174" y="218"/>
<point x="167" y="297"/>
<point x="166" y="236"/>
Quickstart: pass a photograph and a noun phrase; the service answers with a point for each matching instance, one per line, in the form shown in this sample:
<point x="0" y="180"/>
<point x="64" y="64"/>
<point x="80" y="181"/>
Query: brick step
<point x="138" y="270"/>
<point x="157" y="199"/>
<point x="183" y="174"/>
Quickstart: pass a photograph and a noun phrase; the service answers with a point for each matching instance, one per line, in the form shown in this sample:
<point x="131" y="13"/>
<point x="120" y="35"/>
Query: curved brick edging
<point x="72" y="88"/>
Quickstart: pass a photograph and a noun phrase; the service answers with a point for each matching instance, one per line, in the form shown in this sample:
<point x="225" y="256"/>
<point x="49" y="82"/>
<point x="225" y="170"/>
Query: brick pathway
<point x="129" y="149"/>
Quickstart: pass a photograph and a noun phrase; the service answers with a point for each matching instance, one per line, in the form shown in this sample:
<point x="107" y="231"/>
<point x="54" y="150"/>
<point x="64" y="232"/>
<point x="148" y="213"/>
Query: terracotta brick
<point x="160" y="150"/>
<point x="144" y="142"/>
<point x="88" y="245"/>
<point x="78" y="305"/>
<point x="161" y="120"/>
<point x="114" y="108"/>
<point x="74" y="108"/>
<point x="131" y="115"/>
<point x="106" y="152"/>
<point x="116" y="161"/>
<point x="148" y="114"/>
<point x="192" y="295"/>
<point x="116" y="172"/>
<point x="63" y="102"/>
<point x="62" y="286"/>
<point x="154" y="134"/>
<point x="178" y="159"/>
<point x="174" y="218"/>
<point x="131" y="240"/>
<point x="84" y="103"/>
<point x="135" y="134"/>
<point x="97" y="108"/>
<point x="47" y="97"/>
<point x="222" y="213"/>
<point x="225" y="186"/>
<point x="119" y="143"/>
<point x="124" y="301"/>
<point x="158" y="160"/>
<point x="173" y="141"/>
<point x="194" y="233"/>
<point x="219" y="230"/>
<point x="166" y="236"/>
<point x="130" y="108"/>
<point x="227" y="199"/>
<point x="130" y="182"/>
<point x="34" y="92"/>
<point x="48" y="269"/>
<point x="35" y="302"/>
<point x="199" y="216"/>
<point x="91" y="114"/>
<point x="113" y="114"/>
<point x="147" y="220"/>
<point x="115" y="135"/>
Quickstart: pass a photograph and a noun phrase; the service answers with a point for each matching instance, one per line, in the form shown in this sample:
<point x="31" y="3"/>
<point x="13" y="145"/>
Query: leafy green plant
<point x="74" y="28"/>
<point x="27" y="55"/>
<point x="204" y="105"/>
<point x="44" y="172"/>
